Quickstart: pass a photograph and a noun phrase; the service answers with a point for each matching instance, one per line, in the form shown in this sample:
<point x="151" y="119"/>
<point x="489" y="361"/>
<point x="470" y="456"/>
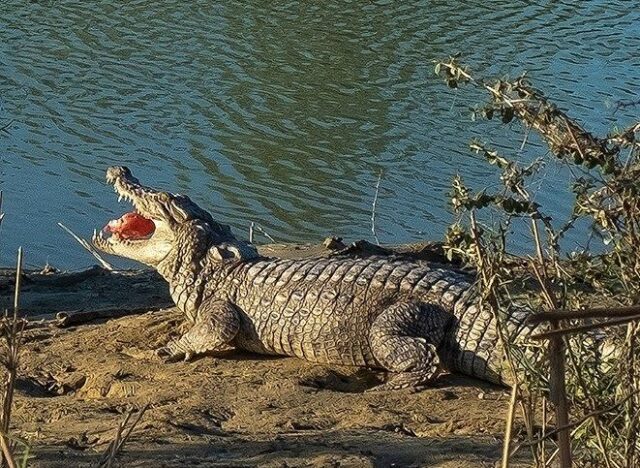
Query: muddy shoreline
<point x="234" y="409"/>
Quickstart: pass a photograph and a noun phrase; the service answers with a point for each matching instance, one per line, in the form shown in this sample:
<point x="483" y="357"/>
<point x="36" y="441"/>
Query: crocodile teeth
<point x="120" y="198"/>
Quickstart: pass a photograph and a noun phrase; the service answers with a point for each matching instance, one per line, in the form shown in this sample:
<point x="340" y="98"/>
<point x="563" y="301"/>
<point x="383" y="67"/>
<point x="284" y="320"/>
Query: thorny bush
<point x="602" y="368"/>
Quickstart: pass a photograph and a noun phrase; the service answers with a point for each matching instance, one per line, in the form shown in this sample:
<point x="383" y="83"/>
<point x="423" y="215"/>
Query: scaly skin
<point x="409" y="318"/>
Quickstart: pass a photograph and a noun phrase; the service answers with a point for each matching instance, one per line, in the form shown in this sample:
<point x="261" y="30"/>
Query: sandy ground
<point x="233" y="409"/>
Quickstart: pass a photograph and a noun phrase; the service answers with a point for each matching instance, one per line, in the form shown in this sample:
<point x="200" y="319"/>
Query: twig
<point x="584" y="328"/>
<point x="16" y="297"/>
<point x="78" y="317"/>
<point x="558" y="396"/>
<point x="509" y="427"/>
<point x="11" y="330"/>
<point x="6" y="452"/>
<point x="88" y="247"/>
<point x="597" y="427"/>
<point x="1" y="212"/>
<point x="541" y="444"/>
<point x="259" y="228"/>
<point x="631" y="437"/>
<point x="556" y="348"/>
<point x="373" y="209"/>
<point x="6" y="126"/>
<point x="623" y="104"/>
<point x="526" y="138"/>
<point x="573" y="137"/>
<point x="600" y="312"/>
<point x="574" y="423"/>
<point x="118" y="442"/>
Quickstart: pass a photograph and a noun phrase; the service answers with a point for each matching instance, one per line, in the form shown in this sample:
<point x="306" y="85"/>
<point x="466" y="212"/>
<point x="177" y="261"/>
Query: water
<point x="283" y="114"/>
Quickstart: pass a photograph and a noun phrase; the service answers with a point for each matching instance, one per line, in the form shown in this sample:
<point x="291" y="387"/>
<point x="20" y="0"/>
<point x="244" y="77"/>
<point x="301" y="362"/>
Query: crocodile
<point x="407" y="317"/>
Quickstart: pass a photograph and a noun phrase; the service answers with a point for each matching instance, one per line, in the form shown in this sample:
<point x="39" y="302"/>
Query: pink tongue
<point x="131" y="226"/>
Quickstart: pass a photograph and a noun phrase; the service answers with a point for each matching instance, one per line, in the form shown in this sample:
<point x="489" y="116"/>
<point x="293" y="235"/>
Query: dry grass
<point x="122" y="435"/>
<point x="11" y="328"/>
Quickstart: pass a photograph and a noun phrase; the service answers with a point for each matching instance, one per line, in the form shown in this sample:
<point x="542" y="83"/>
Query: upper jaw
<point x="129" y="188"/>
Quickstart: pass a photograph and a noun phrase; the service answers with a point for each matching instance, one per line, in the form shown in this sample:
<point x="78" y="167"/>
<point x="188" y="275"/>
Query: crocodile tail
<point x="479" y="349"/>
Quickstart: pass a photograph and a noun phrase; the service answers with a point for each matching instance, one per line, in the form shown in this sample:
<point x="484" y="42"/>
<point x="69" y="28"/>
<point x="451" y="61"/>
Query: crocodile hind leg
<point x="216" y="325"/>
<point x="404" y="339"/>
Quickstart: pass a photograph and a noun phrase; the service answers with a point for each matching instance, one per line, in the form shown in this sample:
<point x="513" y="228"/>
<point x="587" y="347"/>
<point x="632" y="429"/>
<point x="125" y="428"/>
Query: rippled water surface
<point x="281" y="113"/>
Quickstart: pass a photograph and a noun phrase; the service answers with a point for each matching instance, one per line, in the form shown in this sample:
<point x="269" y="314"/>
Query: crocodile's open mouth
<point x="159" y="223"/>
<point x="135" y="225"/>
<point x="131" y="226"/>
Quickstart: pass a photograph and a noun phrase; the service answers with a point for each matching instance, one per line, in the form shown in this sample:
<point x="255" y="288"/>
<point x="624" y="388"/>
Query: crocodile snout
<point x="116" y="172"/>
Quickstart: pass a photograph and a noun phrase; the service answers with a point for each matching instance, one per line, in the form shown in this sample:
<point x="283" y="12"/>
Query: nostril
<point x="114" y="172"/>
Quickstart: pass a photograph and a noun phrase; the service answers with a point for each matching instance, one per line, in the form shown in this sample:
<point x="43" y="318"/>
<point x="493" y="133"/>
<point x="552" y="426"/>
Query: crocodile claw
<point x="171" y="355"/>
<point x="168" y="355"/>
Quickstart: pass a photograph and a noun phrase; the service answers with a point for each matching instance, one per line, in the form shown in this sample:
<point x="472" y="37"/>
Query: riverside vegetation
<point x="603" y="386"/>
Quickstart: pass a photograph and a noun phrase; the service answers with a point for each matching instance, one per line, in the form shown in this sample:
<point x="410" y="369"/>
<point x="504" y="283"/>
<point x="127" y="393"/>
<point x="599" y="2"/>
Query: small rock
<point x="69" y="383"/>
<point x="448" y="395"/>
<point x="399" y="429"/>
<point x="333" y="243"/>
<point x="83" y="442"/>
<point x="49" y="270"/>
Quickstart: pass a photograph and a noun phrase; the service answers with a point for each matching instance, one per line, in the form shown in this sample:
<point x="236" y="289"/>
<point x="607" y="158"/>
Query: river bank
<point x="235" y="409"/>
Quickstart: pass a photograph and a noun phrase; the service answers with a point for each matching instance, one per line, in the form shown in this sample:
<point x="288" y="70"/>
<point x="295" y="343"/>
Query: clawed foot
<point x="411" y="381"/>
<point x="169" y="354"/>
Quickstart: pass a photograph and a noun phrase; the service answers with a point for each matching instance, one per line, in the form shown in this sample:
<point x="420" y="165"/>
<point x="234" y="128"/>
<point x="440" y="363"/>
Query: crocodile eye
<point x="178" y="212"/>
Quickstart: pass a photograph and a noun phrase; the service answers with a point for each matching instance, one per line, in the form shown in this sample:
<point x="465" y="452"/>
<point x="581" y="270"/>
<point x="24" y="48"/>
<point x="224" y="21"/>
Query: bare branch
<point x="373" y="209"/>
<point x="88" y="247"/>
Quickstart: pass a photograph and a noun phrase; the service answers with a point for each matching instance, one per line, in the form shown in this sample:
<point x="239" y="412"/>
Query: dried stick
<point x="373" y="209"/>
<point x="559" y="396"/>
<point x="509" y="427"/>
<point x="582" y="328"/>
<point x="603" y="312"/>
<point x="574" y="423"/>
<point x="118" y="442"/>
<point x="488" y="283"/>
<point x="624" y="104"/>
<point x="16" y="296"/>
<point x="6" y="126"/>
<point x="12" y="331"/>
<point x="259" y="228"/>
<point x="6" y="452"/>
<point x="88" y="247"/>
<point x="1" y="212"/>
<point x="78" y="317"/>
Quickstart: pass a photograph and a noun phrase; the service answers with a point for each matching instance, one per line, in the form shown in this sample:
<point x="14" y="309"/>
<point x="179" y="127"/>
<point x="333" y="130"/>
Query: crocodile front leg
<point x="217" y="323"/>
<point x="404" y="339"/>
